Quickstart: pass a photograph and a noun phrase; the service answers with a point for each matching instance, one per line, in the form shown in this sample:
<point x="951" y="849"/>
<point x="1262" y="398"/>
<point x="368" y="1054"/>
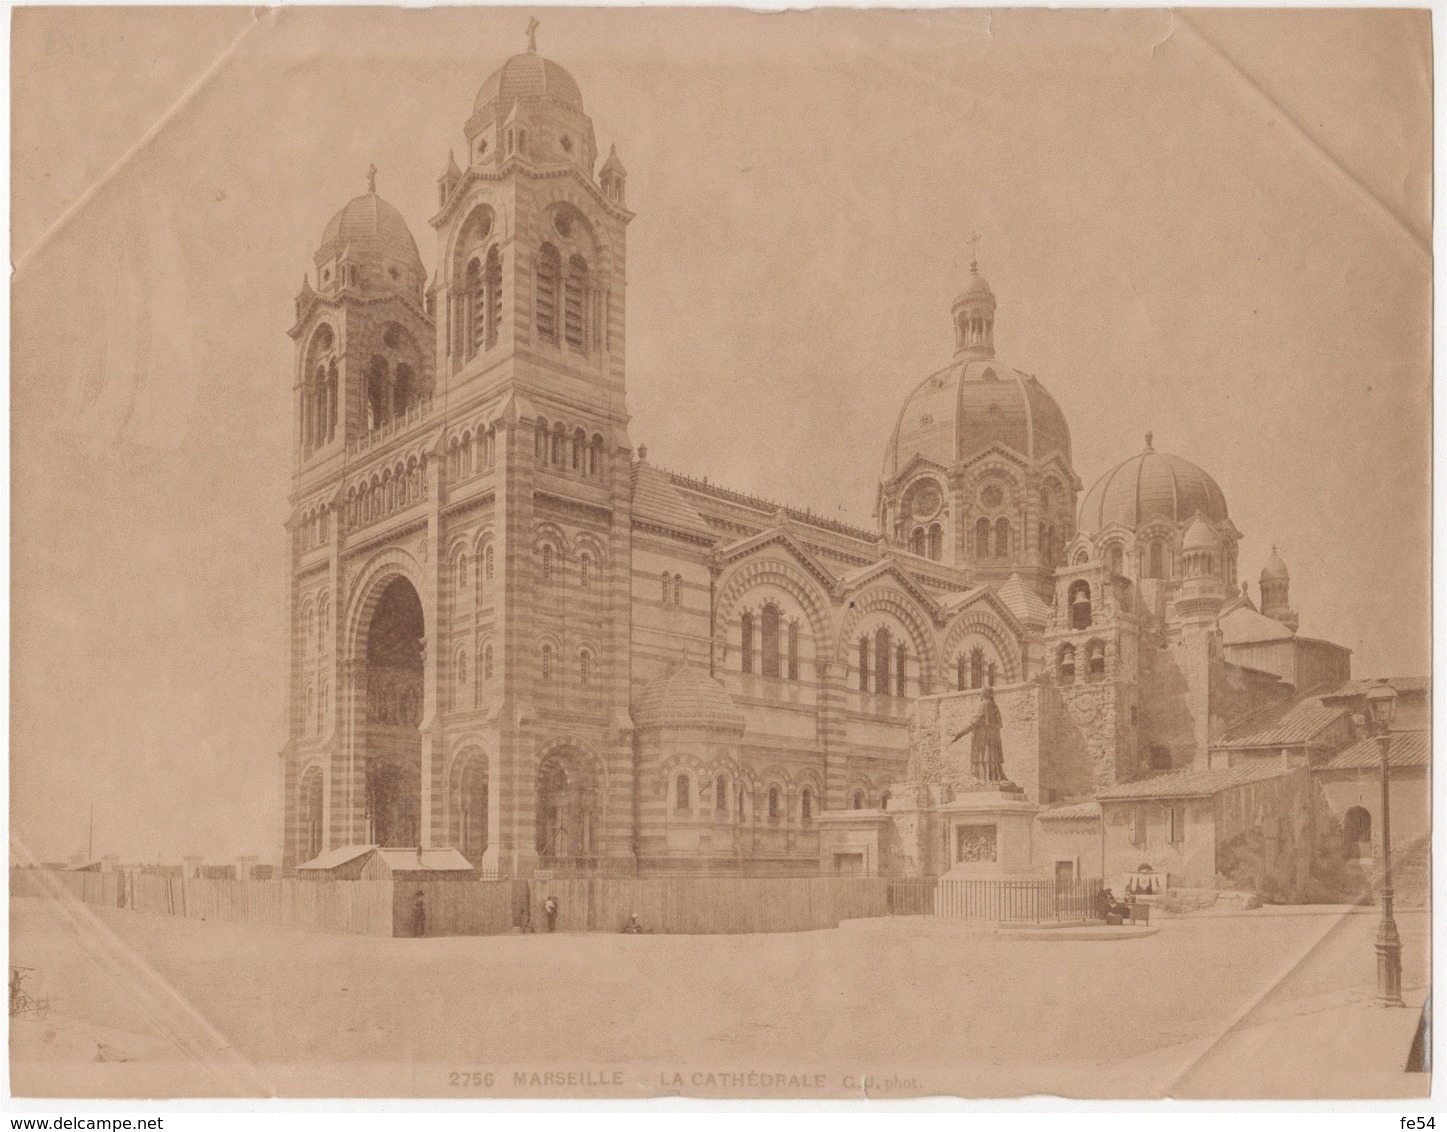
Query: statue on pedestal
<point x="987" y="753"/>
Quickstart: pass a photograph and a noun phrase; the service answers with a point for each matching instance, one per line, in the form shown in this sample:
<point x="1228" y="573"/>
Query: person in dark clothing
<point x="550" y="907"/>
<point x="419" y="914"/>
<point x="633" y="926"/>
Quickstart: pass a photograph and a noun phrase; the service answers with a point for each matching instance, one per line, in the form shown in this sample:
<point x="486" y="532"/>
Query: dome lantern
<point x="974" y="315"/>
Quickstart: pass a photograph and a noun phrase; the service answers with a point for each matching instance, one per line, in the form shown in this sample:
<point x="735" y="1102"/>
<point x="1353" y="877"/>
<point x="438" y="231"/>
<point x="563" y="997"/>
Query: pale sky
<point x="1212" y="226"/>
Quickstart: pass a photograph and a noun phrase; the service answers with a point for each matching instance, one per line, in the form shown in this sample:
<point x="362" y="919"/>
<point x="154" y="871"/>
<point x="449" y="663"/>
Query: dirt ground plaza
<point x="250" y="1009"/>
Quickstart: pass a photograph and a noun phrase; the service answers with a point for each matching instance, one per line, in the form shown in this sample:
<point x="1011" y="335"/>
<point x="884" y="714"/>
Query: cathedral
<point x="514" y="636"/>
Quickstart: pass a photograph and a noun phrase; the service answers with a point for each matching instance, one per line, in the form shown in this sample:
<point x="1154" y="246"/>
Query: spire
<point x="533" y="34"/>
<point x="372" y="179"/>
<point x="974" y="258"/>
<point x="1150" y="446"/>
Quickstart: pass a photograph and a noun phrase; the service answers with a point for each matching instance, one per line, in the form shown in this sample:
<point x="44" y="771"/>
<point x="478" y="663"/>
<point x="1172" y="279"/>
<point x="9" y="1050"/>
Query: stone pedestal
<point x="987" y="832"/>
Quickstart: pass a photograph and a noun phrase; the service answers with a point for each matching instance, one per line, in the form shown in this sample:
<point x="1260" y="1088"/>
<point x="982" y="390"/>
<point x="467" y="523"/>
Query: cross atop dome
<point x="974" y="249"/>
<point x="533" y="34"/>
<point x="372" y="179"/>
<point x="1150" y="437"/>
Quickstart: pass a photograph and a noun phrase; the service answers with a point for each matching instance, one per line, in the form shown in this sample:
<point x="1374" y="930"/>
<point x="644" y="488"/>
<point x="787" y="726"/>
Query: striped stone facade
<point x="513" y="634"/>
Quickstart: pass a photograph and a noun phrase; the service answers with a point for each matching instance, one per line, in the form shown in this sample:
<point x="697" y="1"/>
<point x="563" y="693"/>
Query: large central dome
<point x="971" y="405"/>
<point x="976" y="401"/>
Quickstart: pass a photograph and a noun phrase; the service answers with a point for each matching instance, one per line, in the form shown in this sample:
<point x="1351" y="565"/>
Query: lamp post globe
<point x="1382" y="702"/>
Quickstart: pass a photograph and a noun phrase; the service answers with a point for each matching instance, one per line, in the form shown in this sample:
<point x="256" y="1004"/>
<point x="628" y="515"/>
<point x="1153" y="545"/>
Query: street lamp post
<point x="1382" y="701"/>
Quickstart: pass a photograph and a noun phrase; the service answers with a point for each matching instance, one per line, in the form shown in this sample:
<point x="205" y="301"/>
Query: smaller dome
<point x="1275" y="569"/>
<point x="686" y="696"/>
<point x="1198" y="536"/>
<point x="528" y="76"/>
<point x="370" y="223"/>
<point x="1149" y="485"/>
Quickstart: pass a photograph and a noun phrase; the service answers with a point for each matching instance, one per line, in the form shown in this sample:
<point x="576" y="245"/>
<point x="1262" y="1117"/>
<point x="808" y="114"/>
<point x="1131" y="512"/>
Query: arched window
<point x="489" y="560"/>
<point x="977" y="667"/>
<point x="1158" y="560"/>
<point x="547" y="662"/>
<point x="864" y="664"/>
<point x="475" y="300"/>
<point x="982" y="538"/>
<point x="1116" y="558"/>
<point x="721" y="794"/>
<point x="379" y="393"/>
<point x="549" y="270"/>
<point x="990" y="670"/>
<point x="559" y="437"/>
<point x="806" y="807"/>
<point x="1080" y="604"/>
<point x="583" y="659"/>
<point x="310" y="722"/>
<point x="917" y="541"/>
<point x="1002" y="538"/>
<point x="663" y="579"/>
<point x="575" y="303"/>
<point x="881" y="661"/>
<point x="936" y="541"/>
<point x="540" y="441"/>
<point x="547" y="561"/>
<point x="585" y="570"/>
<point x="960" y="673"/>
<point x="493" y="279"/>
<point x="462" y="571"/>
<point x="1067" y="664"/>
<point x="1095" y="660"/>
<point x="859" y="799"/>
<point x="487" y="663"/>
<point x="776" y="807"/>
<point x="682" y="796"/>
<point x="793" y="650"/>
<point x="580" y="448"/>
<point x="678" y="589"/>
<point x="769" y="663"/>
<point x="595" y="456"/>
<point x="746" y="642"/>
<point x="901" y="669"/>
<point x="462" y="697"/>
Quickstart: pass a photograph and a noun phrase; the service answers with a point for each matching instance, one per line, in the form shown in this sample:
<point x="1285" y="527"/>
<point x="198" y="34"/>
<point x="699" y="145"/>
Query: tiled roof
<point x="1398" y="683"/>
<point x="334" y="857"/>
<point x="1243" y="625"/>
<point x="1028" y="606"/>
<point x="428" y="860"/>
<point x="656" y="500"/>
<point x="1409" y="748"/>
<point x="1076" y="812"/>
<point x="1194" y="783"/>
<point x="1283" y="726"/>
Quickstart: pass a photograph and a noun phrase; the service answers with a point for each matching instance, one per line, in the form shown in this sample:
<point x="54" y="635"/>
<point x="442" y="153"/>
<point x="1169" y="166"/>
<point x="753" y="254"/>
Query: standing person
<point x="419" y="914"/>
<point x="634" y="926"/>
<point x="550" y="907"/>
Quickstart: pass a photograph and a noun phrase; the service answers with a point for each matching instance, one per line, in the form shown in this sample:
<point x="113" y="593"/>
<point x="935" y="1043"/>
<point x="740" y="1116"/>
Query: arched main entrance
<point x="567" y="808"/>
<point x="393" y="713"/>
<point x="1357" y="833"/>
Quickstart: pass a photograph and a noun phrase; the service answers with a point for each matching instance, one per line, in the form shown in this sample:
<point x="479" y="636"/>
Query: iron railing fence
<point x="1000" y="901"/>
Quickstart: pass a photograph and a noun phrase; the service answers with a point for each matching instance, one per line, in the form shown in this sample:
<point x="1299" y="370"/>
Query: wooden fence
<point x="362" y="907"/>
<point x="702" y="905"/>
<point x="708" y="905"/>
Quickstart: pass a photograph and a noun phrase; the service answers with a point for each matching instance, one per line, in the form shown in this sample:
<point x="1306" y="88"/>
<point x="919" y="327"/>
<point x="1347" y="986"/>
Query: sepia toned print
<point x="866" y="555"/>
